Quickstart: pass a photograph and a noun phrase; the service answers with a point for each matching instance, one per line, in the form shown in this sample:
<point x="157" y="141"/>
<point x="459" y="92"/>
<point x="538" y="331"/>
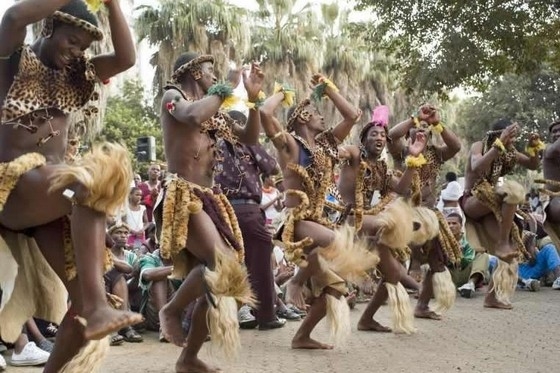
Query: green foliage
<point x="531" y="100"/>
<point x="129" y="116"/>
<point x="442" y="44"/>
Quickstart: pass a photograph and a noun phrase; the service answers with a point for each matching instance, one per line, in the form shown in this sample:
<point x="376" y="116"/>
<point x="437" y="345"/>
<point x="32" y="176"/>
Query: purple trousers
<point x="258" y="253"/>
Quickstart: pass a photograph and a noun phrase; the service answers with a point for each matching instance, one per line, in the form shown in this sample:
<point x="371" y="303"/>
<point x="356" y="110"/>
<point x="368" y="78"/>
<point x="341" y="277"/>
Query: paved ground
<point x="469" y="339"/>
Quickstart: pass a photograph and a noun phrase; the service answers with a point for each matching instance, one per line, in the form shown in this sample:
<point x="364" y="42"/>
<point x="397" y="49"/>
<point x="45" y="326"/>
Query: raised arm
<point x="481" y="163"/>
<point x="18" y="16"/>
<point x="396" y="146"/>
<point x="249" y="133"/>
<point x="402" y="185"/>
<point x="452" y="144"/>
<point x="123" y="56"/>
<point x="350" y="113"/>
<point x="271" y="126"/>
<point x="189" y="112"/>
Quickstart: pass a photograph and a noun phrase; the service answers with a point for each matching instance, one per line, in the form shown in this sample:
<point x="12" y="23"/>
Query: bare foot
<point x="194" y="366"/>
<point x="171" y="327"/>
<point x="505" y="252"/>
<point x="492" y="302"/>
<point x="309" y="344"/>
<point x="105" y="320"/>
<point x="373" y="326"/>
<point x="426" y="314"/>
<point x="294" y="295"/>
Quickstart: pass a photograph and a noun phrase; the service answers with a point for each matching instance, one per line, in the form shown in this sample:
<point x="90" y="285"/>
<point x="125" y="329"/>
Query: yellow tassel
<point x="498" y="144"/>
<point x="329" y="84"/>
<point x="289" y="95"/>
<point x="229" y="102"/>
<point x="438" y="128"/>
<point x="401" y="309"/>
<point x="415" y="162"/>
<point x="94" y="5"/>
<point x="338" y="318"/>
<point x="444" y="291"/>
<point x="533" y="150"/>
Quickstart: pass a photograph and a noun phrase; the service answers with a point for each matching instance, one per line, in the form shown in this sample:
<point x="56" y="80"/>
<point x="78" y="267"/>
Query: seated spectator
<point x="150" y="245"/>
<point x="125" y="262"/>
<point x="545" y="259"/>
<point x="473" y="270"/>
<point x="157" y="288"/>
<point x="25" y="353"/>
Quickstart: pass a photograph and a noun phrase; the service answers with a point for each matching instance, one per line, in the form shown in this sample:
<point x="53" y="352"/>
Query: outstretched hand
<point x="417" y="146"/>
<point x="429" y="114"/>
<point x="508" y="134"/>
<point x="254" y="82"/>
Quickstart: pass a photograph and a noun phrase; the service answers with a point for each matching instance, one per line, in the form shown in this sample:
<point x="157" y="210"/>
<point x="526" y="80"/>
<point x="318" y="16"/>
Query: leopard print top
<point x="429" y="172"/>
<point x="219" y="125"/>
<point x="376" y="176"/>
<point x="37" y="87"/>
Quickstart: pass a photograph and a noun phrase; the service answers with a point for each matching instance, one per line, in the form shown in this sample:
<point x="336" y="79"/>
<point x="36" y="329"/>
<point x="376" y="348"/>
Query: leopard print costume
<point x="36" y="89"/>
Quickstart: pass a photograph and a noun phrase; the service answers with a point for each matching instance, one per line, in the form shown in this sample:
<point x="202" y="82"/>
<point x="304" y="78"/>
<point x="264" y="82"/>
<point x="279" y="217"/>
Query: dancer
<point x="490" y="207"/>
<point x="362" y="173"/>
<point x="42" y="84"/>
<point x="197" y="227"/>
<point x="307" y="152"/>
<point x="551" y="172"/>
<point x="443" y="249"/>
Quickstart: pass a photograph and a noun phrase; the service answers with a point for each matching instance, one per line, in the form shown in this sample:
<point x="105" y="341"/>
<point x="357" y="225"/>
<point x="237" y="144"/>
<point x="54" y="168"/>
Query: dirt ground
<point x="469" y="339"/>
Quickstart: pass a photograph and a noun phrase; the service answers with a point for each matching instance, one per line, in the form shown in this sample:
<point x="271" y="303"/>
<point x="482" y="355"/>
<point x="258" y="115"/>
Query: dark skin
<point x="477" y="164"/>
<point x="456" y="227"/>
<point x="30" y="205"/>
<point x="551" y="171"/>
<point x="158" y="277"/>
<point x="192" y="155"/>
<point x="390" y="268"/>
<point x="428" y="116"/>
<point x="288" y="152"/>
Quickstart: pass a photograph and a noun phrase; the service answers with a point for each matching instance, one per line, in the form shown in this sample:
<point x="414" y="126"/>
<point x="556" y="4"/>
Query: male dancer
<point x="362" y="173"/>
<point x="198" y="228"/>
<point x="490" y="208"/>
<point x="551" y="173"/>
<point x="307" y="153"/>
<point x="41" y="85"/>
<point x="444" y="248"/>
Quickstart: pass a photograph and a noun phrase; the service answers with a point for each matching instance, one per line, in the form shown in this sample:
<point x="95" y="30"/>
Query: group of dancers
<point x="53" y="212"/>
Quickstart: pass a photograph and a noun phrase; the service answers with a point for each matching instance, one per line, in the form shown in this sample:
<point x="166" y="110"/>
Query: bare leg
<point x="33" y="331"/>
<point x="170" y="314"/>
<point x="322" y="236"/>
<point x="422" y="309"/>
<point x="88" y="236"/>
<point x="294" y="287"/>
<point x="390" y="268"/>
<point x="302" y="339"/>
<point x="202" y="242"/>
<point x="188" y="361"/>
<point x="367" y="322"/>
<point x="70" y="336"/>
<point x="476" y="210"/>
<point x="490" y="300"/>
<point x="504" y="250"/>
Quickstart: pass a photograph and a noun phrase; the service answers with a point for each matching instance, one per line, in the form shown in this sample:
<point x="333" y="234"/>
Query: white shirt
<point x="266" y="198"/>
<point x="135" y="219"/>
